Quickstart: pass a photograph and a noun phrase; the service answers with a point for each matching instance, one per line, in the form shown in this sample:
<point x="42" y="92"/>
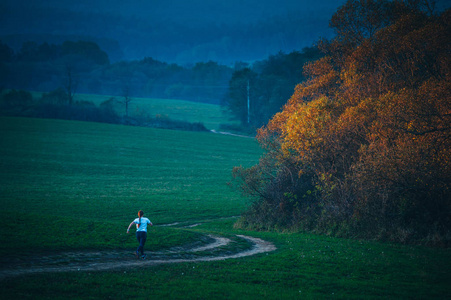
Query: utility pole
<point x="248" y="104"/>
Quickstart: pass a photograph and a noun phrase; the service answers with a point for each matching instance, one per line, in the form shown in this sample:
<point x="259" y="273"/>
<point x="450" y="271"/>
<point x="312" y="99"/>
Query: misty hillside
<point x="173" y="31"/>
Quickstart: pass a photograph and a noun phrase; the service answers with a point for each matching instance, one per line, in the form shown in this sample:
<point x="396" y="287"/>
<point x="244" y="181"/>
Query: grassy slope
<point x="80" y="169"/>
<point x="210" y="115"/>
<point x="97" y="172"/>
<point x="71" y="185"/>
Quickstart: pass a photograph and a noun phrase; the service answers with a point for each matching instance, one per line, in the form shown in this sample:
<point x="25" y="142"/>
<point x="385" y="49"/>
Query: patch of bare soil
<point x="120" y="259"/>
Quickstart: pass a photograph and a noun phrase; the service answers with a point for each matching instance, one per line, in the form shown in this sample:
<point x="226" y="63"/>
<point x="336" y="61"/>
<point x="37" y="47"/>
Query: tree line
<point x="362" y="148"/>
<point x="56" y="105"/>
<point x="251" y="93"/>
<point x="46" y="67"/>
<point x="259" y="91"/>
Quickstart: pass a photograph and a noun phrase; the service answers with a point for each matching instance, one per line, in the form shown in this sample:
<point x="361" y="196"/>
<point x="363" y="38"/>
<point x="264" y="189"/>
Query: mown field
<point x="69" y="186"/>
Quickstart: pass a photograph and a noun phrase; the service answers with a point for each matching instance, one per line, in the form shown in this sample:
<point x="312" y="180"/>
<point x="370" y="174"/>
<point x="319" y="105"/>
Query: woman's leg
<point x="142" y="237"/>
<point x="138" y="237"/>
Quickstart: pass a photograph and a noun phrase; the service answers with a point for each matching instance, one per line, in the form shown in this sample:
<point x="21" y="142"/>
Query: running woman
<point x="141" y="233"/>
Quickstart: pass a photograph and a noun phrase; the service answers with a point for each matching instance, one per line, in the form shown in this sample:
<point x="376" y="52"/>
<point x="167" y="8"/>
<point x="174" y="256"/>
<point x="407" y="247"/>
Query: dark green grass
<point x="80" y="184"/>
<point x="304" y="267"/>
<point x="77" y="186"/>
<point x="98" y="171"/>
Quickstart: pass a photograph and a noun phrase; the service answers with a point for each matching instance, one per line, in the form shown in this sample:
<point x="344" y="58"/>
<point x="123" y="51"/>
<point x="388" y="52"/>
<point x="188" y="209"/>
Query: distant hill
<point x="174" y="31"/>
<point x="177" y="31"/>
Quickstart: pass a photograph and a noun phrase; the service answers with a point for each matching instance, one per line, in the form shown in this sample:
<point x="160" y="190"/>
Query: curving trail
<point x="111" y="260"/>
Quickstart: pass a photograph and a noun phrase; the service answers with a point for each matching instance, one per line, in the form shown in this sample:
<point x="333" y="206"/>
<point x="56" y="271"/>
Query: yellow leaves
<point x="371" y="127"/>
<point x="302" y="131"/>
<point x="383" y="106"/>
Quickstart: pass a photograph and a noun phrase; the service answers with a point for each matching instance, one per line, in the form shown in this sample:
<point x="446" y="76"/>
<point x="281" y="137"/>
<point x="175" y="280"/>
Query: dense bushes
<point x="164" y="122"/>
<point x="363" y="146"/>
<point x="55" y="105"/>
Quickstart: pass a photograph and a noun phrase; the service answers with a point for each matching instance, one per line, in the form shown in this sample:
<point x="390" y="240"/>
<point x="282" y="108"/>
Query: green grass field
<point x="210" y="115"/>
<point x="75" y="186"/>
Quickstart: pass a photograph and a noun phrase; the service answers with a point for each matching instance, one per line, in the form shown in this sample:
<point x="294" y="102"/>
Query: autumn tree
<point x="368" y="133"/>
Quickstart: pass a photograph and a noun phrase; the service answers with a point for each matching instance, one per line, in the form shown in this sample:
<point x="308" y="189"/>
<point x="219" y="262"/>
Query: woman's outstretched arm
<point x="128" y="229"/>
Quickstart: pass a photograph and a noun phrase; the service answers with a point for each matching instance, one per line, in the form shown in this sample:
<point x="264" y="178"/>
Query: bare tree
<point x="127" y="98"/>
<point x="70" y="84"/>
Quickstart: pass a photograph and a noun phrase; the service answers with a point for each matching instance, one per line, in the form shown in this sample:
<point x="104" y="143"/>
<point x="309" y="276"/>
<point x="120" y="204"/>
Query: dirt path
<point x="232" y="134"/>
<point x="111" y="260"/>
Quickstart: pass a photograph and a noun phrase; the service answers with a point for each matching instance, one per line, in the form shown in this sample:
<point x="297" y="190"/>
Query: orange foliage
<point x="375" y="121"/>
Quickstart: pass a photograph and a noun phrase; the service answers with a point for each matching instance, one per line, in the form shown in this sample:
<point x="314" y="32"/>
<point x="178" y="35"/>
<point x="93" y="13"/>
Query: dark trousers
<point x="142" y="237"/>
